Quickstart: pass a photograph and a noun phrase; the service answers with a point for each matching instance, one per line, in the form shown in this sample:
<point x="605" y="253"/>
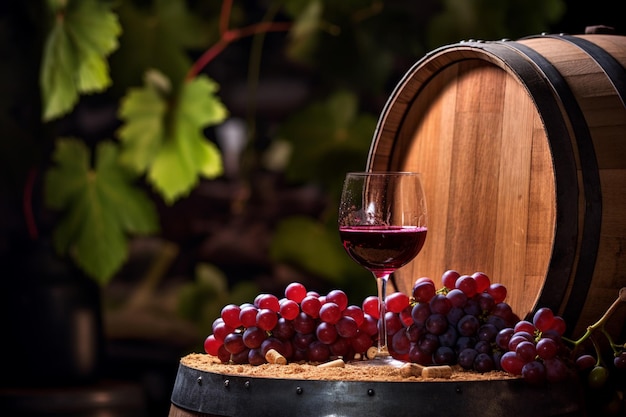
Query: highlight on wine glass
<point x="382" y="225"/>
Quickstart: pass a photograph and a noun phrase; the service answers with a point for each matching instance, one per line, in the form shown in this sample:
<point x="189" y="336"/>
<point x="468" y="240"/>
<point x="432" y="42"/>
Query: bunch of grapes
<point x="301" y="326"/>
<point x="536" y="350"/>
<point x="457" y="324"/>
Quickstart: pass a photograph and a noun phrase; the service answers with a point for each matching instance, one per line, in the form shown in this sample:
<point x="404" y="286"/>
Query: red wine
<point x="382" y="249"/>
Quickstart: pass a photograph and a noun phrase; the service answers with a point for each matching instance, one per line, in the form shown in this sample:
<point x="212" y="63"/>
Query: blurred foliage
<point x="144" y="56"/>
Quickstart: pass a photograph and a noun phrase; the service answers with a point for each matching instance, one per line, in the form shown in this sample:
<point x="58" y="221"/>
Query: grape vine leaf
<point x="83" y="34"/>
<point x="167" y="142"/>
<point x="100" y="207"/>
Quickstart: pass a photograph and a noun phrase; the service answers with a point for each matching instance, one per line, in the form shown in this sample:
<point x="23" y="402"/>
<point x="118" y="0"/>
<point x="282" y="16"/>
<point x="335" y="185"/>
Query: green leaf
<point x="167" y="142"/>
<point x="100" y="207"/>
<point x="83" y="34"/>
<point x="143" y="133"/>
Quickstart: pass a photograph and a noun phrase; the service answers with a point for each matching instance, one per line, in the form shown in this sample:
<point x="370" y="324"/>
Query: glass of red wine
<point x="383" y="225"/>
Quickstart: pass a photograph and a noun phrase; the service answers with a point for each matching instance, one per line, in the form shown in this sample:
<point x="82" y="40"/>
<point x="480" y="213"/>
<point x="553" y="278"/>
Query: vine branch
<point x="227" y="36"/>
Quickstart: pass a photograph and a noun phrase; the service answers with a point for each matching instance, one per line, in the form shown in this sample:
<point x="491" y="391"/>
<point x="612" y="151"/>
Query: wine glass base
<point x="381" y="361"/>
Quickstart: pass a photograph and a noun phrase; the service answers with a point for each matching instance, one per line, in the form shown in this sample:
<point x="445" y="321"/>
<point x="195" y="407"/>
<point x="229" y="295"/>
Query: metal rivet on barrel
<point x="199" y="380"/>
<point x="370" y="392"/>
<point x="246" y="384"/>
<point x="458" y="390"/>
<point x="226" y="383"/>
<point x="299" y="390"/>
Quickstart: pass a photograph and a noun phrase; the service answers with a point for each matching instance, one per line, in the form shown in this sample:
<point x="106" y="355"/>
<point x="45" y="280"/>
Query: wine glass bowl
<point x="383" y="226"/>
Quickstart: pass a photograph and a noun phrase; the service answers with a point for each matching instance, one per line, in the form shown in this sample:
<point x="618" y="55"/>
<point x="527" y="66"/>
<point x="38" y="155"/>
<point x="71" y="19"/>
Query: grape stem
<point x="621" y="298"/>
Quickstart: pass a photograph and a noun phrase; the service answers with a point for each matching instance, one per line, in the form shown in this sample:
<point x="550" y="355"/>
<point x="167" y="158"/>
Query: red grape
<point x="247" y="316"/>
<point x="338" y="297"/>
<point x="356" y="313"/>
<point x="482" y="281"/>
<point x="370" y="306"/>
<point x="396" y="301"/>
<point x="400" y="343"/>
<point x="295" y="292"/>
<point x="543" y="319"/>
<point x="369" y="326"/>
<point x="526" y="351"/>
<point x="289" y="309"/>
<point x="547" y="348"/>
<point x="585" y="362"/>
<point x="233" y="343"/>
<point x="255" y="357"/>
<point x="284" y="329"/>
<point x="524" y="326"/>
<point x="394" y="324"/>
<point x="558" y="325"/>
<point x="318" y="352"/>
<point x="311" y="305"/>
<point x="326" y="333"/>
<point x="467" y="284"/>
<point x="223" y="355"/>
<point x="341" y="347"/>
<point x="498" y="292"/>
<point x="361" y="342"/>
<point x="347" y="327"/>
<point x="449" y="277"/>
<point x="221" y="330"/>
<point x="266" y="319"/>
<point x="253" y="337"/>
<point x="268" y="301"/>
<point x="423" y="291"/>
<point x="511" y="363"/>
<point x="212" y="345"/>
<point x="330" y="313"/>
<point x="230" y="315"/>
<point x="303" y="323"/>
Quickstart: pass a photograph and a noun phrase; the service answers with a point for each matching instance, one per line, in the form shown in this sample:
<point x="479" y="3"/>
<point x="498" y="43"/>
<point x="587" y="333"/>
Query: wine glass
<point x="383" y="225"/>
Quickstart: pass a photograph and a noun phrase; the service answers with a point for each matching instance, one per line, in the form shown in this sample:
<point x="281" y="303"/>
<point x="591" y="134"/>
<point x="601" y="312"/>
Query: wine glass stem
<point x="381" y="282"/>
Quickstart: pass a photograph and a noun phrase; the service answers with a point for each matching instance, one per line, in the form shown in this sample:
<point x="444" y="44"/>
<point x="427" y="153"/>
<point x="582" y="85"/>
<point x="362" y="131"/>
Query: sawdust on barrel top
<point x="350" y="372"/>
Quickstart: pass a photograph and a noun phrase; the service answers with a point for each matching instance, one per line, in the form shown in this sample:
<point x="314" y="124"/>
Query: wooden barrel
<point x="522" y="146"/>
<point x="199" y="393"/>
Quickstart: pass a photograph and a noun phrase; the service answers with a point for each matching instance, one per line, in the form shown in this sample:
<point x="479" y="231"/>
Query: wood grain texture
<point x="496" y="178"/>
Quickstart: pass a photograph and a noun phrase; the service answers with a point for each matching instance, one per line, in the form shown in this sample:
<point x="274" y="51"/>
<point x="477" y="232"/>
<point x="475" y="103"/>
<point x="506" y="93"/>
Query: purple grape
<point x="444" y="355"/>
<point x="483" y="362"/>
<point x="534" y="372"/>
<point x="466" y="358"/>
<point x="436" y="324"/>
<point x="468" y="325"/>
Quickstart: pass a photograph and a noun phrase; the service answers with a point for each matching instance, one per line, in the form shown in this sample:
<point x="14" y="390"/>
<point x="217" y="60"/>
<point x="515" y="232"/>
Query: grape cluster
<point x="456" y="324"/>
<point x="301" y="326"/>
<point x="536" y="350"/>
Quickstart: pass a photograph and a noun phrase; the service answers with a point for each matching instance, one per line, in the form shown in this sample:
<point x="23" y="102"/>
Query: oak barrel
<point x="522" y="146"/>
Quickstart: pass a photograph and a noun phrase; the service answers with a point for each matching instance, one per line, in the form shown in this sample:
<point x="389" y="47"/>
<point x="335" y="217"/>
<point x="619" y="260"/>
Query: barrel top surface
<point x="231" y="395"/>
